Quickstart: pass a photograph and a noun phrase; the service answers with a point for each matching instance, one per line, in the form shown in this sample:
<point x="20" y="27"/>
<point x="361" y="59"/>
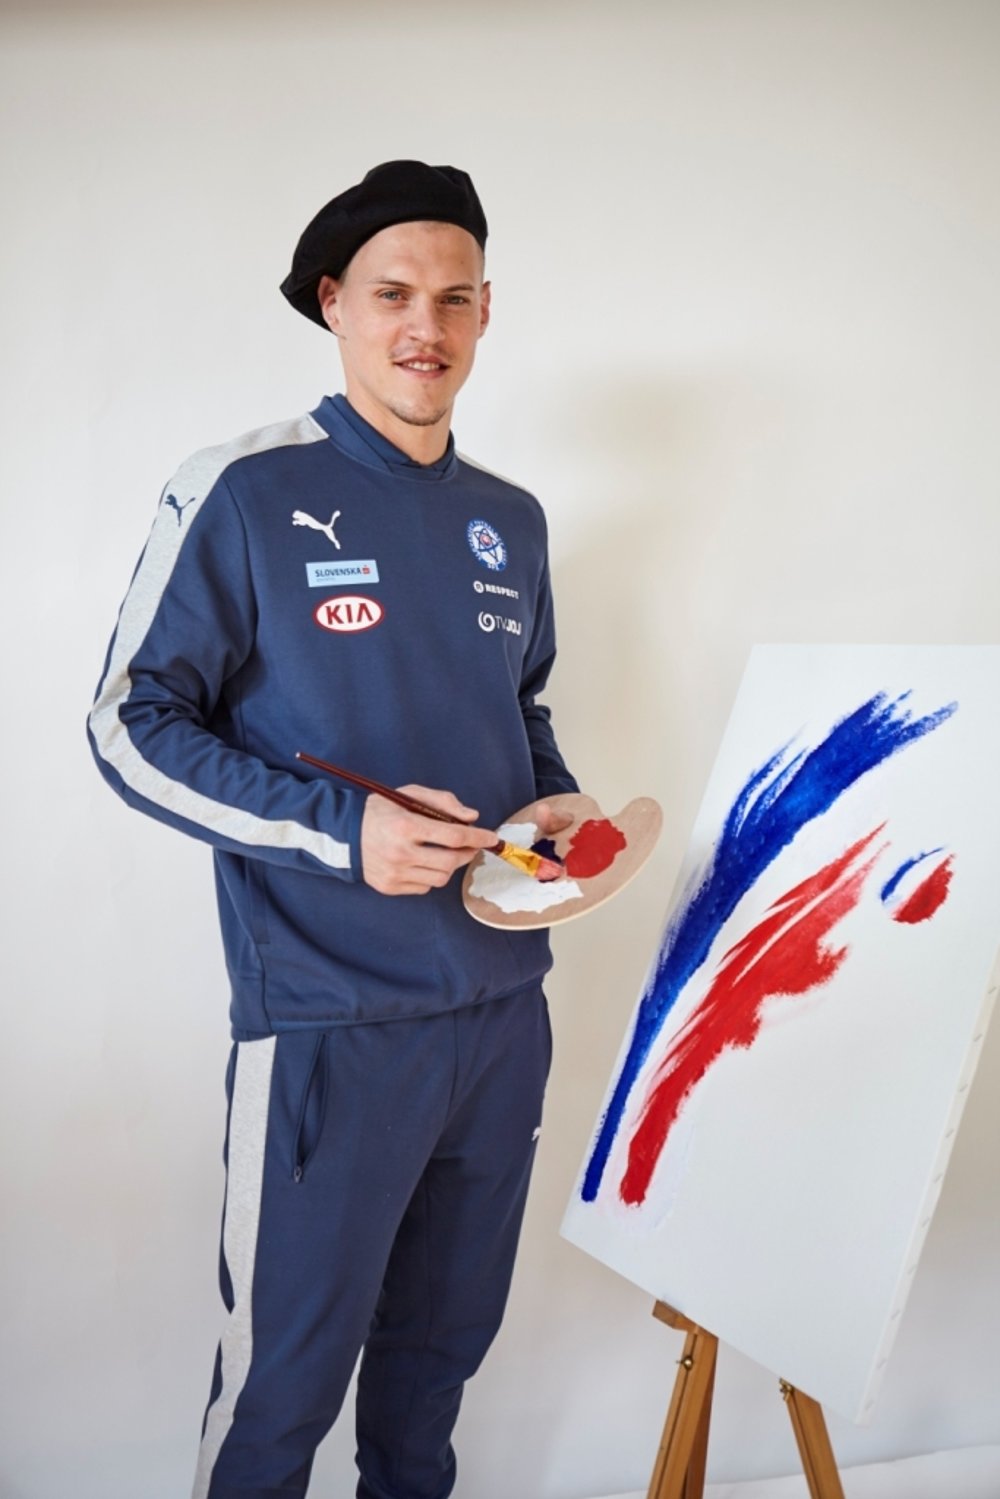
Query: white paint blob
<point x="510" y="890"/>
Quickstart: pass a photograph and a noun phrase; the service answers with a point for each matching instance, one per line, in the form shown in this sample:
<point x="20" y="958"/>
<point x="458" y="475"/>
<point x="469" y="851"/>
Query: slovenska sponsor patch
<point x="336" y="574"/>
<point x="348" y="613"/>
<point x="486" y="544"/>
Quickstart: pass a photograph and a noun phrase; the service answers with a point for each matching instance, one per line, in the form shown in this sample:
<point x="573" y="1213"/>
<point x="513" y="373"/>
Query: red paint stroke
<point x="593" y="847"/>
<point x="783" y="954"/>
<point x="925" y="900"/>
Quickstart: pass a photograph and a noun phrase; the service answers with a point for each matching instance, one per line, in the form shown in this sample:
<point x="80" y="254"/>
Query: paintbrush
<point x="523" y="859"/>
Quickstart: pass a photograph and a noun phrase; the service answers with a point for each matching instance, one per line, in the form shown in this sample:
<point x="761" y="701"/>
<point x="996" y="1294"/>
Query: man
<point x="320" y="585"/>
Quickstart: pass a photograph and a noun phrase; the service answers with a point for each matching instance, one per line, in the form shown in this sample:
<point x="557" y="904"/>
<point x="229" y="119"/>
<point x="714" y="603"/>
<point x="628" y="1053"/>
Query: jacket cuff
<point x="355" y="815"/>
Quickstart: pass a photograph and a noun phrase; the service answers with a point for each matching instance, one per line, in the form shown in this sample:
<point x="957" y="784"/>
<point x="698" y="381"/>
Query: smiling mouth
<point x="422" y="366"/>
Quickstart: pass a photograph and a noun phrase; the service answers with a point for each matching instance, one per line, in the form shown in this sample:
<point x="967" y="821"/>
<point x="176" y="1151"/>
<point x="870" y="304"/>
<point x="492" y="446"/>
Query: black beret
<point x="394" y="193"/>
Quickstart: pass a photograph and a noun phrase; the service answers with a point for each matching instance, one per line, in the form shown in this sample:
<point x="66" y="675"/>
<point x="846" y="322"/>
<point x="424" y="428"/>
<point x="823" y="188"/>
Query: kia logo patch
<point x="348" y="613"/>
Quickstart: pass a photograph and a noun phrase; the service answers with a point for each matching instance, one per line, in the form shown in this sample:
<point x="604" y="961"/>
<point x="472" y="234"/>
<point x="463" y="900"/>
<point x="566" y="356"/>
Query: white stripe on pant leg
<point x="247" y="1134"/>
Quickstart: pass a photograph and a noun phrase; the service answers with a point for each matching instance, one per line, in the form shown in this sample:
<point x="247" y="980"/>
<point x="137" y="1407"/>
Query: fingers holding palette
<point x="597" y="855"/>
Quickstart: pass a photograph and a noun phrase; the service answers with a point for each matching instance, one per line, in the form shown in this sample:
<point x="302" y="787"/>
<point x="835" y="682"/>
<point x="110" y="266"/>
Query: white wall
<point x="744" y="347"/>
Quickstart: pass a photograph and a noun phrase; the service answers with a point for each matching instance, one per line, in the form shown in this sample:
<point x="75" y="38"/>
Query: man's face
<point x="408" y="313"/>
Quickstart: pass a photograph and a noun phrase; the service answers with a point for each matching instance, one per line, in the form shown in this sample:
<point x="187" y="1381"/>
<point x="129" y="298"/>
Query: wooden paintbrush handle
<point x="408" y="803"/>
<point x="521" y="857"/>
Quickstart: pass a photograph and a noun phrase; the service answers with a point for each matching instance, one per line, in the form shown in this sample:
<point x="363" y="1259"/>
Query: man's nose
<point x="425" y="321"/>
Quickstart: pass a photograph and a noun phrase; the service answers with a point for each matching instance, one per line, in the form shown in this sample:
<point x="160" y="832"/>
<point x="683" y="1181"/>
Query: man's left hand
<point x="550" y="820"/>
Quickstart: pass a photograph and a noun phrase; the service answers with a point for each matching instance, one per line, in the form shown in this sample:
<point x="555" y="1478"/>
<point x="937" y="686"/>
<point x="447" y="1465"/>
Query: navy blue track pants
<point x="376" y="1180"/>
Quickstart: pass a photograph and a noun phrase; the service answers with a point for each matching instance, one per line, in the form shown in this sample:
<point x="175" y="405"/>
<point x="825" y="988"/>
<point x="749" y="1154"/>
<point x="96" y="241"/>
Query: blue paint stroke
<point x="777" y="801"/>
<point x="547" y="848"/>
<point x="904" y="870"/>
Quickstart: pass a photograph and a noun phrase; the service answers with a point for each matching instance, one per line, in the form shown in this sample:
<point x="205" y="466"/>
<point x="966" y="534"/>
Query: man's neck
<point x="424" y="445"/>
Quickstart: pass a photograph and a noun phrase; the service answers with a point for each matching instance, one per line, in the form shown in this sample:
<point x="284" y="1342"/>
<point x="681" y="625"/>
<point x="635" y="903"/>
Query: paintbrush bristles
<point x="527" y="861"/>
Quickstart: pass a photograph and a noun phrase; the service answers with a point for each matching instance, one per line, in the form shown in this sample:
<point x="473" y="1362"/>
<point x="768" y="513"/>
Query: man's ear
<point x="484" y="308"/>
<point x="328" y="293"/>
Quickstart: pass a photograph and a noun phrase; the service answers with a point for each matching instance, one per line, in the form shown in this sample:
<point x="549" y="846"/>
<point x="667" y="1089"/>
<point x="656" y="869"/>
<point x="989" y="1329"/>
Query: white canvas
<point x="784" y="1202"/>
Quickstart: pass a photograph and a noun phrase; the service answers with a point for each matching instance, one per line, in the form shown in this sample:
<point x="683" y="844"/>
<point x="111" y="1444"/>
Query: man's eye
<point x="388" y="295"/>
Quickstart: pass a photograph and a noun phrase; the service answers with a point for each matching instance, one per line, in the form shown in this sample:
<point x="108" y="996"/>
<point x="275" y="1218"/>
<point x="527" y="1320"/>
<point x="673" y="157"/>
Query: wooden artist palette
<point x="601" y="855"/>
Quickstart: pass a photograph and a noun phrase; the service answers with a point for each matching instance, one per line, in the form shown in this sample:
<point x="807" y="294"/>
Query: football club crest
<point x="486" y="544"/>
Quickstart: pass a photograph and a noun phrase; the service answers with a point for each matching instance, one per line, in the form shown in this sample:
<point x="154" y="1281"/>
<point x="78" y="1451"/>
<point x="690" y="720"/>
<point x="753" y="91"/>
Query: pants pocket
<point x="312" y="1110"/>
<point x="257" y="890"/>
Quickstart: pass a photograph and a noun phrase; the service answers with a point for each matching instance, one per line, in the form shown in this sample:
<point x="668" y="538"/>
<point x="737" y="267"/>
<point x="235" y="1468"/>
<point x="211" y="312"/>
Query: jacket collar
<point x="360" y="440"/>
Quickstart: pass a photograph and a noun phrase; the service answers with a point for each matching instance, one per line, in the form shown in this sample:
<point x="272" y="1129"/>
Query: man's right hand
<point x="403" y="853"/>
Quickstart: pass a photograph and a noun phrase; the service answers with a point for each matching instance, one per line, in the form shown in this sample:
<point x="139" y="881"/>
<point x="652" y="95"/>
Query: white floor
<point x="969" y="1473"/>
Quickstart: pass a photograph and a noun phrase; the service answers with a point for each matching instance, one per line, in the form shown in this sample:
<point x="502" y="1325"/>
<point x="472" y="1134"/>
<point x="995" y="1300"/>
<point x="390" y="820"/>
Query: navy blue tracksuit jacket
<point x="308" y="587"/>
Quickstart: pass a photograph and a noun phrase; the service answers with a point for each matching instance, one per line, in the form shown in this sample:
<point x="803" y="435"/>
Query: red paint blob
<point x="924" y="901"/>
<point x="593" y="848"/>
<point x="783" y="954"/>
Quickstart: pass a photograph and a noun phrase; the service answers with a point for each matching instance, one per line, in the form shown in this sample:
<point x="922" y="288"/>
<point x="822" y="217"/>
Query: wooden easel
<point x="680" y="1463"/>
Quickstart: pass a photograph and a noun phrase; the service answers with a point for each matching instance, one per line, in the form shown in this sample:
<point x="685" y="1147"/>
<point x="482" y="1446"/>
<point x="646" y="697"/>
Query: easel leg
<point x="814" y="1444"/>
<point x="680" y="1463"/>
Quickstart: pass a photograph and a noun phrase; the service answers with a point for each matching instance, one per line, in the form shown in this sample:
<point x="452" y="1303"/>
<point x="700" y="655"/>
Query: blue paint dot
<point x="547" y="848"/>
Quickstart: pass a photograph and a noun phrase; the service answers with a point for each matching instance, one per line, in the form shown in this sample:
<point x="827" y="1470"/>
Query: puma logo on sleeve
<point x="171" y="500"/>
